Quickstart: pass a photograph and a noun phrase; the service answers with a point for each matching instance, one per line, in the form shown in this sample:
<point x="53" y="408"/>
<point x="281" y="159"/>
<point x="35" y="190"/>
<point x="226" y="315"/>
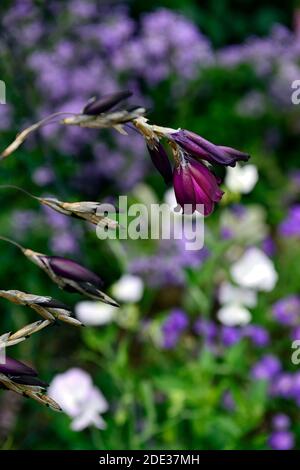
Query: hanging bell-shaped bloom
<point x="198" y="147"/>
<point x="195" y="186"/>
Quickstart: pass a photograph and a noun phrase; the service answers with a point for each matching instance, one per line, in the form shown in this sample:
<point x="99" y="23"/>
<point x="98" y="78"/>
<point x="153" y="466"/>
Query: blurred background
<point x="199" y="356"/>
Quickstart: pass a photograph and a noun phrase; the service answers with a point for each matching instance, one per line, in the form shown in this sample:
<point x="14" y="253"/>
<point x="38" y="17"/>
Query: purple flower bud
<point x="101" y="105"/>
<point x="13" y="367"/>
<point x="194" y="184"/>
<point x="201" y="148"/>
<point x="161" y="161"/>
<point x="20" y="373"/>
<point x="69" y="269"/>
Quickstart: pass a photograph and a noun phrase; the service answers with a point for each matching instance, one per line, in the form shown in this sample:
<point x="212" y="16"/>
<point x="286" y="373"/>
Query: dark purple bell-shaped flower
<point x="195" y="185"/>
<point x="20" y="373"/>
<point x="71" y="276"/>
<point x="198" y="147"/>
<point x="161" y="161"/>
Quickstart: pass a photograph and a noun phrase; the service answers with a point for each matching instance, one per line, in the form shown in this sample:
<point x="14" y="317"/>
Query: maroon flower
<point x="195" y="185"/>
<point x="198" y="147"/>
<point x="160" y="160"/>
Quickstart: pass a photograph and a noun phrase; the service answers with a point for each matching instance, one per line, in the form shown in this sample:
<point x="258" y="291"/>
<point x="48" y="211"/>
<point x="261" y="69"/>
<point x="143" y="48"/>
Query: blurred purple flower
<point x="282" y="440"/>
<point x="283" y="385"/>
<point x="173" y="327"/>
<point x="257" y="334"/>
<point x="290" y="227"/>
<point x="287" y="310"/>
<point x="281" y="422"/>
<point x="266" y="368"/>
<point x="230" y="335"/>
<point x="206" y="328"/>
<point x="269" y="247"/>
<point x="43" y="176"/>
<point x="228" y="401"/>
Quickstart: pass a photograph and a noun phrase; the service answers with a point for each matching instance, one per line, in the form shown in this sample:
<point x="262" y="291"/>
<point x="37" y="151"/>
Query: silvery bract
<point x="10" y="339"/>
<point x="87" y="210"/>
<point x="47" y="307"/>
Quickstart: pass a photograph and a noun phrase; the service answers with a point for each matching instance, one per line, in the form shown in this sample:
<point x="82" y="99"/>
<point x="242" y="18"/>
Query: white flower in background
<point x="234" y="315"/>
<point x="94" y="313"/>
<point x="247" y="225"/>
<point x="255" y="271"/>
<point x="241" y="179"/>
<point x="230" y="294"/>
<point x="128" y="289"/>
<point x="79" y="399"/>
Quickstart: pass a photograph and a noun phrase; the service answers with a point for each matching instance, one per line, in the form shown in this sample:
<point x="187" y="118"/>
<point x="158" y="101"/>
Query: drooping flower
<point x="160" y="160"/>
<point x="194" y="183"/>
<point x="195" y="186"/>
<point x="49" y="308"/>
<point x="19" y="378"/>
<point x="200" y="148"/>
<point x="79" y="398"/>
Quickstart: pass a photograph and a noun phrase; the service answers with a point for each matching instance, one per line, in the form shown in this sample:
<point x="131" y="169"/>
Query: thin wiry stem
<point x="12" y="242"/>
<point x="12" y="186"/>
<point x="20" y="138"/>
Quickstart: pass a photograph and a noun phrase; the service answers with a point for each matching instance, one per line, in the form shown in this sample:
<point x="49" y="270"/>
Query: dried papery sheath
<point x="86" y="210"/>
<point x="21" y="379"/>
<point x="10" y="339"/>
<point x="67" y="274"/>
<point x="113" y="119"/>
<point x="22" y="136"/>
<point x="97" y="114"/>
<point x="47" y="307"/>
